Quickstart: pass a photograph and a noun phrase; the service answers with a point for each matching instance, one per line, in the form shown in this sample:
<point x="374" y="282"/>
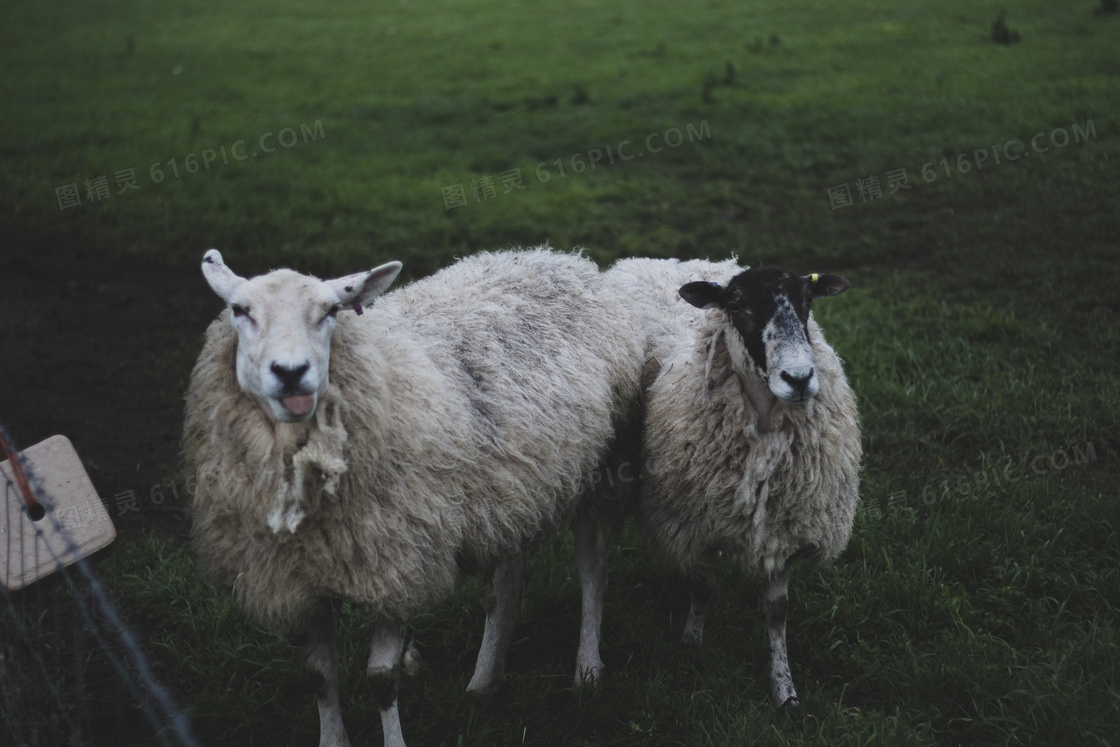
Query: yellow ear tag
<point x="814" y="278"/>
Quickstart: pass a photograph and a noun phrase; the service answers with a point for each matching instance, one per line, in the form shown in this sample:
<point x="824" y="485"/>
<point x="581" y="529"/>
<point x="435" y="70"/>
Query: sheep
<point x="457" y="425"/>
<point x="750" y="438"/>
<point x="649" y="288"/>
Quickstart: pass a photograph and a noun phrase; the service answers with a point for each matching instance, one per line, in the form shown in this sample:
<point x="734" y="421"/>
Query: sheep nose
<point x="799" y="383"/>
<point x="290" y="376"/>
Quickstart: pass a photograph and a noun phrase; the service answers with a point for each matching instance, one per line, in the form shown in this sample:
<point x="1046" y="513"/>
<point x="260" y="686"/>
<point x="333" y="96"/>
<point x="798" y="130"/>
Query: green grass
<point x="416" y="96"/>
<point x="977" y="602"/>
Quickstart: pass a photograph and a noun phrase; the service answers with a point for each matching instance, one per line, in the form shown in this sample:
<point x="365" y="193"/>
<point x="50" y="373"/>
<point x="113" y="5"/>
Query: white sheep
<point x="751" y="440"/>
<point x="457" y="425"/>
<point x="649" y="288"/>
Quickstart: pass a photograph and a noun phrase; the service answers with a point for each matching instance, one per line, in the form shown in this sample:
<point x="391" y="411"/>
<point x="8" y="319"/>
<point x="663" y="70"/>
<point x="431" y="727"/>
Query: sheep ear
<point x="221" y="278"/>
<point x="827" y="285"/>
<point x="702" y="295"/>
<point x="360" y="289"/>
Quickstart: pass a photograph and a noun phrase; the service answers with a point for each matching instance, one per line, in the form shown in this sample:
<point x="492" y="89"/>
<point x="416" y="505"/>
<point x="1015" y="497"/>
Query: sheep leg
<point x="384" y="672"/>
<point x="775" y="602"/>
<point x="502" y="602"/>
<point x="592" y="550"/>
<point x="701" y="588"/>
<point x="321" y="656"/>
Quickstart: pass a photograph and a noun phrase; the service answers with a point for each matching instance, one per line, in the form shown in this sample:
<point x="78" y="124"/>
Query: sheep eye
<point x="734" y="309"/>
<point x="239" y="310"/>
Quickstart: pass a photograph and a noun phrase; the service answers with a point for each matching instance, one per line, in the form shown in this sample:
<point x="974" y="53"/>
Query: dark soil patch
<point x="100" y="351"/>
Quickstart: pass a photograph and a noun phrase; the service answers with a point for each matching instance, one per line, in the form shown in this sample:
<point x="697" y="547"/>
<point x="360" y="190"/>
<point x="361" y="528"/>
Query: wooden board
<point x="76" y="523"/>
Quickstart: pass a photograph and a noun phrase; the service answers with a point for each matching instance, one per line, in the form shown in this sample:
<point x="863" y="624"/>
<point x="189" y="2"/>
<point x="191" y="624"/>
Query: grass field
<point x="977" y="602"/>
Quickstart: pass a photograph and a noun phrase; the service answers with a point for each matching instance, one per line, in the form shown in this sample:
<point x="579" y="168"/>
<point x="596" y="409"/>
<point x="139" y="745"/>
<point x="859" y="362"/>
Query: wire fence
<point x="71" y="671"/>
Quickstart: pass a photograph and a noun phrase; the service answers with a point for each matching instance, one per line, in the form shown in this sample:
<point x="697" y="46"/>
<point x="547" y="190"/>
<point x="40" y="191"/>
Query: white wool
<point x="650" y="286"/>
<point x="463" y="415"/>
<point x="718" y="474"/>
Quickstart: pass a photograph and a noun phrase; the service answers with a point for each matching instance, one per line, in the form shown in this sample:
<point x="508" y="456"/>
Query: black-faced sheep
<point x="751" y="439"/>
<point x="368" y="457"/>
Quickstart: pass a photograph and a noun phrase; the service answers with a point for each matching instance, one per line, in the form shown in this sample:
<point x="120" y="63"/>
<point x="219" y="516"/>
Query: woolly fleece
<point x="464" y="414"/>
<point x="715" y="478"/>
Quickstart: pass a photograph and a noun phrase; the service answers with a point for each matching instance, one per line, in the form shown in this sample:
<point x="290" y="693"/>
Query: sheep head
<point x="284" y="321"/>
<point x="768" y="310"/>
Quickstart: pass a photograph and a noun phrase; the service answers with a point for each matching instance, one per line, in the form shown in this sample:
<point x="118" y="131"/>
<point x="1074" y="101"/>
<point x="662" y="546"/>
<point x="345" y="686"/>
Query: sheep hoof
<point x="791" y="705"/>
<point x="692" y="637"/>
<point x="588" y="676"/>
<point x="487" y="690"/>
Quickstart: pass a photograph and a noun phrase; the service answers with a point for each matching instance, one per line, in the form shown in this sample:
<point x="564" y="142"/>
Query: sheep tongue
<point x="299" y="404"/>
